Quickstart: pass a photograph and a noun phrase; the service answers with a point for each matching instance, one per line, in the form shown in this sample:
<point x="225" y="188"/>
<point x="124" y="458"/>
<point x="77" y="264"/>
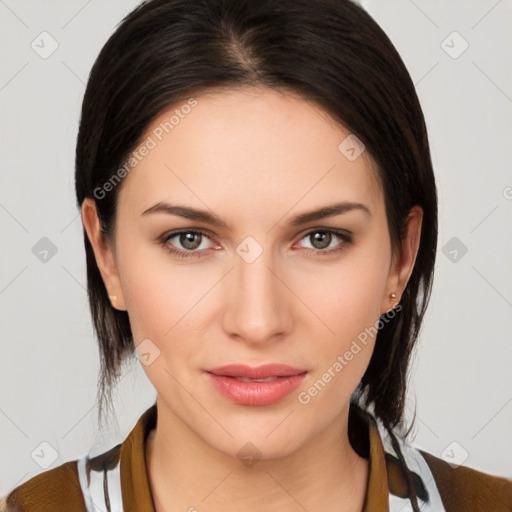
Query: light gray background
<point x="461" y="378"/>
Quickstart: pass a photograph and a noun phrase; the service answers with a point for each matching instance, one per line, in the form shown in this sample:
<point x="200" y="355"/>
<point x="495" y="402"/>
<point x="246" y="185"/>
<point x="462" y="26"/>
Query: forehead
<point x="249" y="146"/>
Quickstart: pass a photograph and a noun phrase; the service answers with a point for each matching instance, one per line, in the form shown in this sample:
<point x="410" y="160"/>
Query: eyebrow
<point x="303" y="218"/>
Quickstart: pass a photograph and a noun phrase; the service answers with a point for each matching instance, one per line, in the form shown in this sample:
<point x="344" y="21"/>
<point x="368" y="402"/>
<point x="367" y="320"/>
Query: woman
<point x="260" y="226"/>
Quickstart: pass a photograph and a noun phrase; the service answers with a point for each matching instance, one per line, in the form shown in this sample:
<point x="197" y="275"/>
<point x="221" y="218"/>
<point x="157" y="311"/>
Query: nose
<point x="257" y="307"/>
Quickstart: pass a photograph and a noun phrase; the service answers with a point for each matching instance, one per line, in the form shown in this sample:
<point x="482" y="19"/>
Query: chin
<point x="261" y="440"/>
<point x="253" y="449"/>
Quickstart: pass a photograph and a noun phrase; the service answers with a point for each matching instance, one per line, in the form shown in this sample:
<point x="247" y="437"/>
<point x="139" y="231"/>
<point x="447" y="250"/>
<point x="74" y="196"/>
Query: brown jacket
<point x="460" y="489"/>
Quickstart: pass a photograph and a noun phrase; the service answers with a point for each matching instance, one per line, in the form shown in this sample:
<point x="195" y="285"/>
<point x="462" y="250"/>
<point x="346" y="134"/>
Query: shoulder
<point x="465" y="488"/>
<point x="68" y="486"/>
<point x="61" y="488"/>
<point x="55" y="489"/>
<point x="438" y="484"/>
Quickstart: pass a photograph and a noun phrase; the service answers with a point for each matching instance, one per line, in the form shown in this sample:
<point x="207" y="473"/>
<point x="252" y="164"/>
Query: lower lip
<point x="255" y="393"/>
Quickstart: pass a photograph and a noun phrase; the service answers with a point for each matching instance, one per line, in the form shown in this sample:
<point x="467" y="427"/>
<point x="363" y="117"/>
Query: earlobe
<point x="103" y="254"/>
<point x="403" y="262"/>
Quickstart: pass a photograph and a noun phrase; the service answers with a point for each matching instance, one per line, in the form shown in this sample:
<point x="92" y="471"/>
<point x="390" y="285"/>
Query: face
<point x="258" y="284"/>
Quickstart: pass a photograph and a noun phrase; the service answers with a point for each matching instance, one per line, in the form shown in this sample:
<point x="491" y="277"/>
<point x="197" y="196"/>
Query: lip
<point x="286" y="379"/>
<point x="256" y="372"/>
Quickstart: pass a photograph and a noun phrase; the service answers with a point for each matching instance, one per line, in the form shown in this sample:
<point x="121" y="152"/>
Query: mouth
<point x="262" y="385"/>
<point x="264" y="372"/>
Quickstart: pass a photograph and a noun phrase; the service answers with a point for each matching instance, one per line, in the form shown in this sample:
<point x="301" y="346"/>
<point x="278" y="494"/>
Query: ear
<point x="104" y="254"/>
<point x="402" y="262"/>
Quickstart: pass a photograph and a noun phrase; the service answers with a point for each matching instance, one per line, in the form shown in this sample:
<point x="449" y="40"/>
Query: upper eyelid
<point x="172" y="234"/>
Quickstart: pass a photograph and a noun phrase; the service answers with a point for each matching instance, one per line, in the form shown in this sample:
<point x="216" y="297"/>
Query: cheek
<point x="160" y="299"/>
<point x="347" y="299"/>
<point x="342" y="352"/>
<point x="157" y="292"/>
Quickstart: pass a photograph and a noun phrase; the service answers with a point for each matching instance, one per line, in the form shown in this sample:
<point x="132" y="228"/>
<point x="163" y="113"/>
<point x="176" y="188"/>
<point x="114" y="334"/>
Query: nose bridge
<point x="256" y="300"/>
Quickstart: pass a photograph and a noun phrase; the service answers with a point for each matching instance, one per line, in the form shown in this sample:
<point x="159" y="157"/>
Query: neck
<point x="186" y="473"/>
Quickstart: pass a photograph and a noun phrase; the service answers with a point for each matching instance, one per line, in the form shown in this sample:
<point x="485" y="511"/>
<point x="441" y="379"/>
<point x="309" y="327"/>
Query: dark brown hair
<point x="329" y="51"/>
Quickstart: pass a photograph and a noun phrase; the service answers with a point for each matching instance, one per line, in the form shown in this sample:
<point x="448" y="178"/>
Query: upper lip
<point x="256" y="372"/>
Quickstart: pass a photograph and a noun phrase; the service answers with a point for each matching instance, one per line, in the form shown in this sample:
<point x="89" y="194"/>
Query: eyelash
<point x="344" y="236"/>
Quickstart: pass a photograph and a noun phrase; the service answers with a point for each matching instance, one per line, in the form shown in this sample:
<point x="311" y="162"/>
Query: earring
<point x="112" y="298"/>
<point x="393" y="296"/>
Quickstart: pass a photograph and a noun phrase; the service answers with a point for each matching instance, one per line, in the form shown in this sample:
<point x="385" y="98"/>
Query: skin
<point x="254" y="158"/>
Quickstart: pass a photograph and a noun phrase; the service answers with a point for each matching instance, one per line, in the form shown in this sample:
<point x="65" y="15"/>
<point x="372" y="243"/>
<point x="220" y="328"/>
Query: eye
<point x="191" y="241"/>
<point x="321" y="239"/>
